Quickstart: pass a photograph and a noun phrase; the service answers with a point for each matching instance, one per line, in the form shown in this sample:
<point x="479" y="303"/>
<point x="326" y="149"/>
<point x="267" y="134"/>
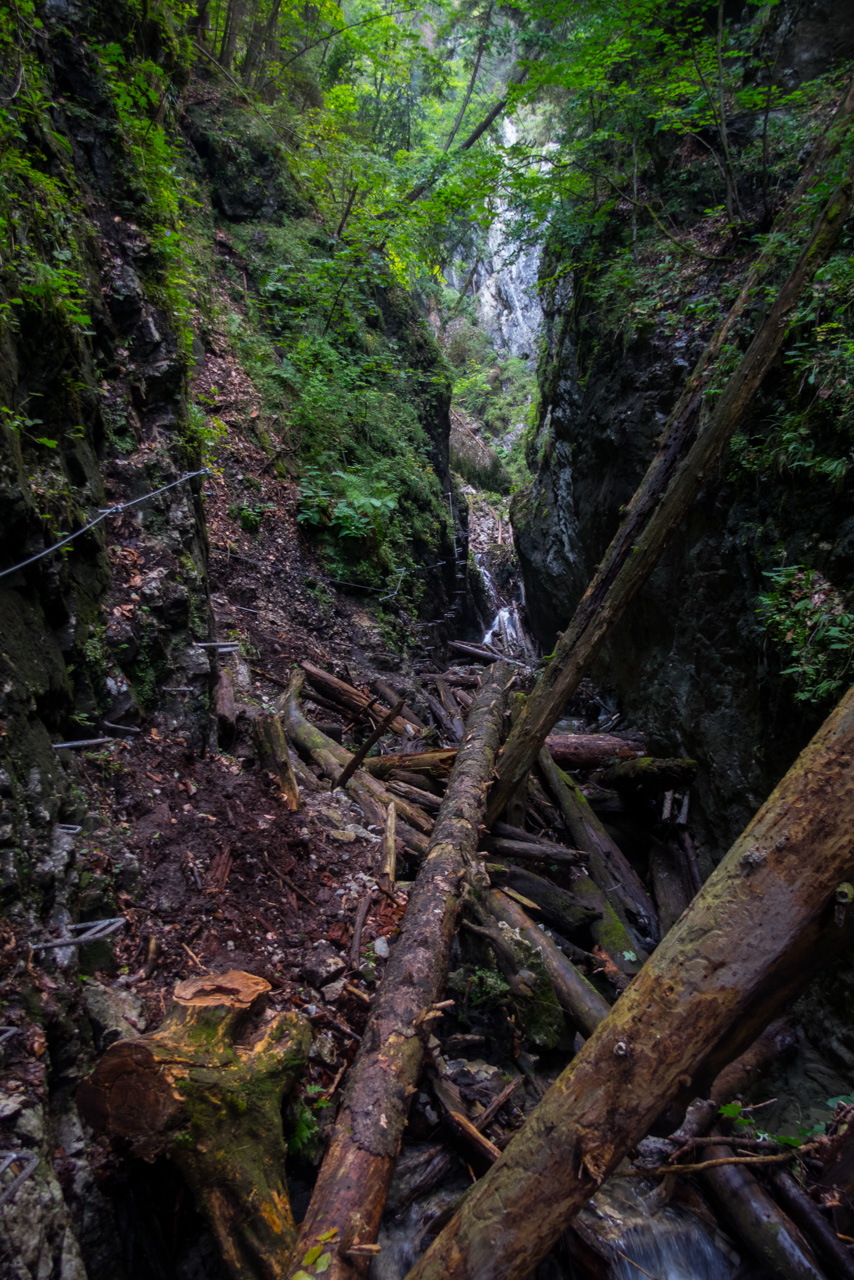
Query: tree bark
<point x="695" y="436"/>
<point x="591" y="750"/>
<point x="348" y="1200"/>
<point x="609" y="868"/>
<point x="747" y="945"/>
<point x="351" y="699"/>
<point x="578" y="997"/>
<point x="206" y="1089"/>
<point x="272" y="745"/>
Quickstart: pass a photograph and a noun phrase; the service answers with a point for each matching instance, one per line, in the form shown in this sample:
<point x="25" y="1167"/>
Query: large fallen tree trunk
<point x="743" y="949"/>
<point x="206" y="1089"/>
<point x="696" y="434"/>
<point x="351" y="1189"/>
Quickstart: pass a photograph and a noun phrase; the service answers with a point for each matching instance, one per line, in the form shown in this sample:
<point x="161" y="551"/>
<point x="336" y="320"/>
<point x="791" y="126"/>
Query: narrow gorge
<point x="426" y="626"/>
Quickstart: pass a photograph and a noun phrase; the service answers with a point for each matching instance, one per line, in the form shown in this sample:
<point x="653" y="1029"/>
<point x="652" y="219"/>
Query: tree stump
<point x="206" y="1090"/>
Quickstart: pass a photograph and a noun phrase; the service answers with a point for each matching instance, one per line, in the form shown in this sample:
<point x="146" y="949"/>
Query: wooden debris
<point x="721" y="974"/>
<point x="610" y="869"/>
<point x="592" y="750"/>
<point x="358" y="756"/>
<point x="648" y="776"/>
<point x="344" y="695"/>
<point x="578" y="997"/>
<point x="354" y="1177"/>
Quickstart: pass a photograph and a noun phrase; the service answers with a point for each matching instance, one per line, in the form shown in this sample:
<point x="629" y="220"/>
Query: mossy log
<point x="563" y="907"/>
<point x="744" y="949"/>
<point x="272" y="746"/>
<point x="578" y="997"/>
<point x="648" y="776"/>
<point x="438" y="763"/>
<point x="352" y="1186"/>
<point x="697" y="432"/>
<point x="609" y="867"/>
<point x="206" y="1090"/>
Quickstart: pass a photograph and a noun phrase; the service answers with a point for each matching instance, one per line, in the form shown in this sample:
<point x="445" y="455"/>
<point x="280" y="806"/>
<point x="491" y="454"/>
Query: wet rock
<point x="322" y="965"/>
<point x="115" y="1013"/>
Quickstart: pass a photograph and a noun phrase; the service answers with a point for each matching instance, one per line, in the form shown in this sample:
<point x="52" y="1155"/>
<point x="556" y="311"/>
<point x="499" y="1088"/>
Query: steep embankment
<point x="180" y="343"/>
<point x="696" y="659"/>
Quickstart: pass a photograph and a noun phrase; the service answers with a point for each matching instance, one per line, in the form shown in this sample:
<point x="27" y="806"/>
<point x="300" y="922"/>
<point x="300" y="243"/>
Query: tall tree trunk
<point x="345" y="1210"/>
<point x="744" y="948"/>
<point x="694" y="439"/>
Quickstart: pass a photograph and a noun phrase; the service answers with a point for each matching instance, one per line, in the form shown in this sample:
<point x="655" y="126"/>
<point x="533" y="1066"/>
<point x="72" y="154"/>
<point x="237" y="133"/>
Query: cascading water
<point x="507" y="631"/>
<point x="667" y="1241"/>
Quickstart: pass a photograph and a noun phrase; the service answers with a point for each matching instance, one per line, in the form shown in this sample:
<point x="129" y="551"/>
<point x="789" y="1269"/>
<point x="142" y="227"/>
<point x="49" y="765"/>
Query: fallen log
<point x="447" y="724"/>
<point x="206" y="1090"/>
<point x="346" y="696"/>
<point x="438" y="763"/>
<point x="384" y="690"/>
<point x="592" y="750"/>
<point x="351" y="1189"/>
<point x="562" y="907"/>
<point x="648" y="776"/>
<point x="744" y="949"/>
<point x="544" y="852"/>
<point x="697" y="431"/>
<point x="578" y="997"/>
<point x="480" y="652"/>
<point x="424" y="799"/>
<point x="451" y="707"/>
<point x="609" y="868"/>
<point x="332" y="758"/>
<point x="771" y="1237"/>
<point x="805" y="1213"/>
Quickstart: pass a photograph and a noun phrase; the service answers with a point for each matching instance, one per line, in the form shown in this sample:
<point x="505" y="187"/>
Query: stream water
<point x="663" y="1243"/>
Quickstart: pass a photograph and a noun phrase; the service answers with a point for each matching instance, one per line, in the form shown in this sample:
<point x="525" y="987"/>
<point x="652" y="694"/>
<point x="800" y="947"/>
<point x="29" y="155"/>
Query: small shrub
<point x="807" y="617"/>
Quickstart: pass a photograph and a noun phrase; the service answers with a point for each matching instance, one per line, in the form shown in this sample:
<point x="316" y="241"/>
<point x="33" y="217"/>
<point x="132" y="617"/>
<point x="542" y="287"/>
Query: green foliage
<point x="305" y="1135"/>
<point x="352" y="504"/>
<point x="481" y="987"/>
<point x="347" y="372"/>
<point x="742" y="1120"/>
<point x="809" y="620"/>
<point x="249" y="514"/>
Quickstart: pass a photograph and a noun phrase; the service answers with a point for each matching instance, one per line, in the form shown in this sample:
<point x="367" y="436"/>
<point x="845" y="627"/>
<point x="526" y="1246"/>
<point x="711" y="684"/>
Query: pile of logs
<point x="565" y="914"/>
